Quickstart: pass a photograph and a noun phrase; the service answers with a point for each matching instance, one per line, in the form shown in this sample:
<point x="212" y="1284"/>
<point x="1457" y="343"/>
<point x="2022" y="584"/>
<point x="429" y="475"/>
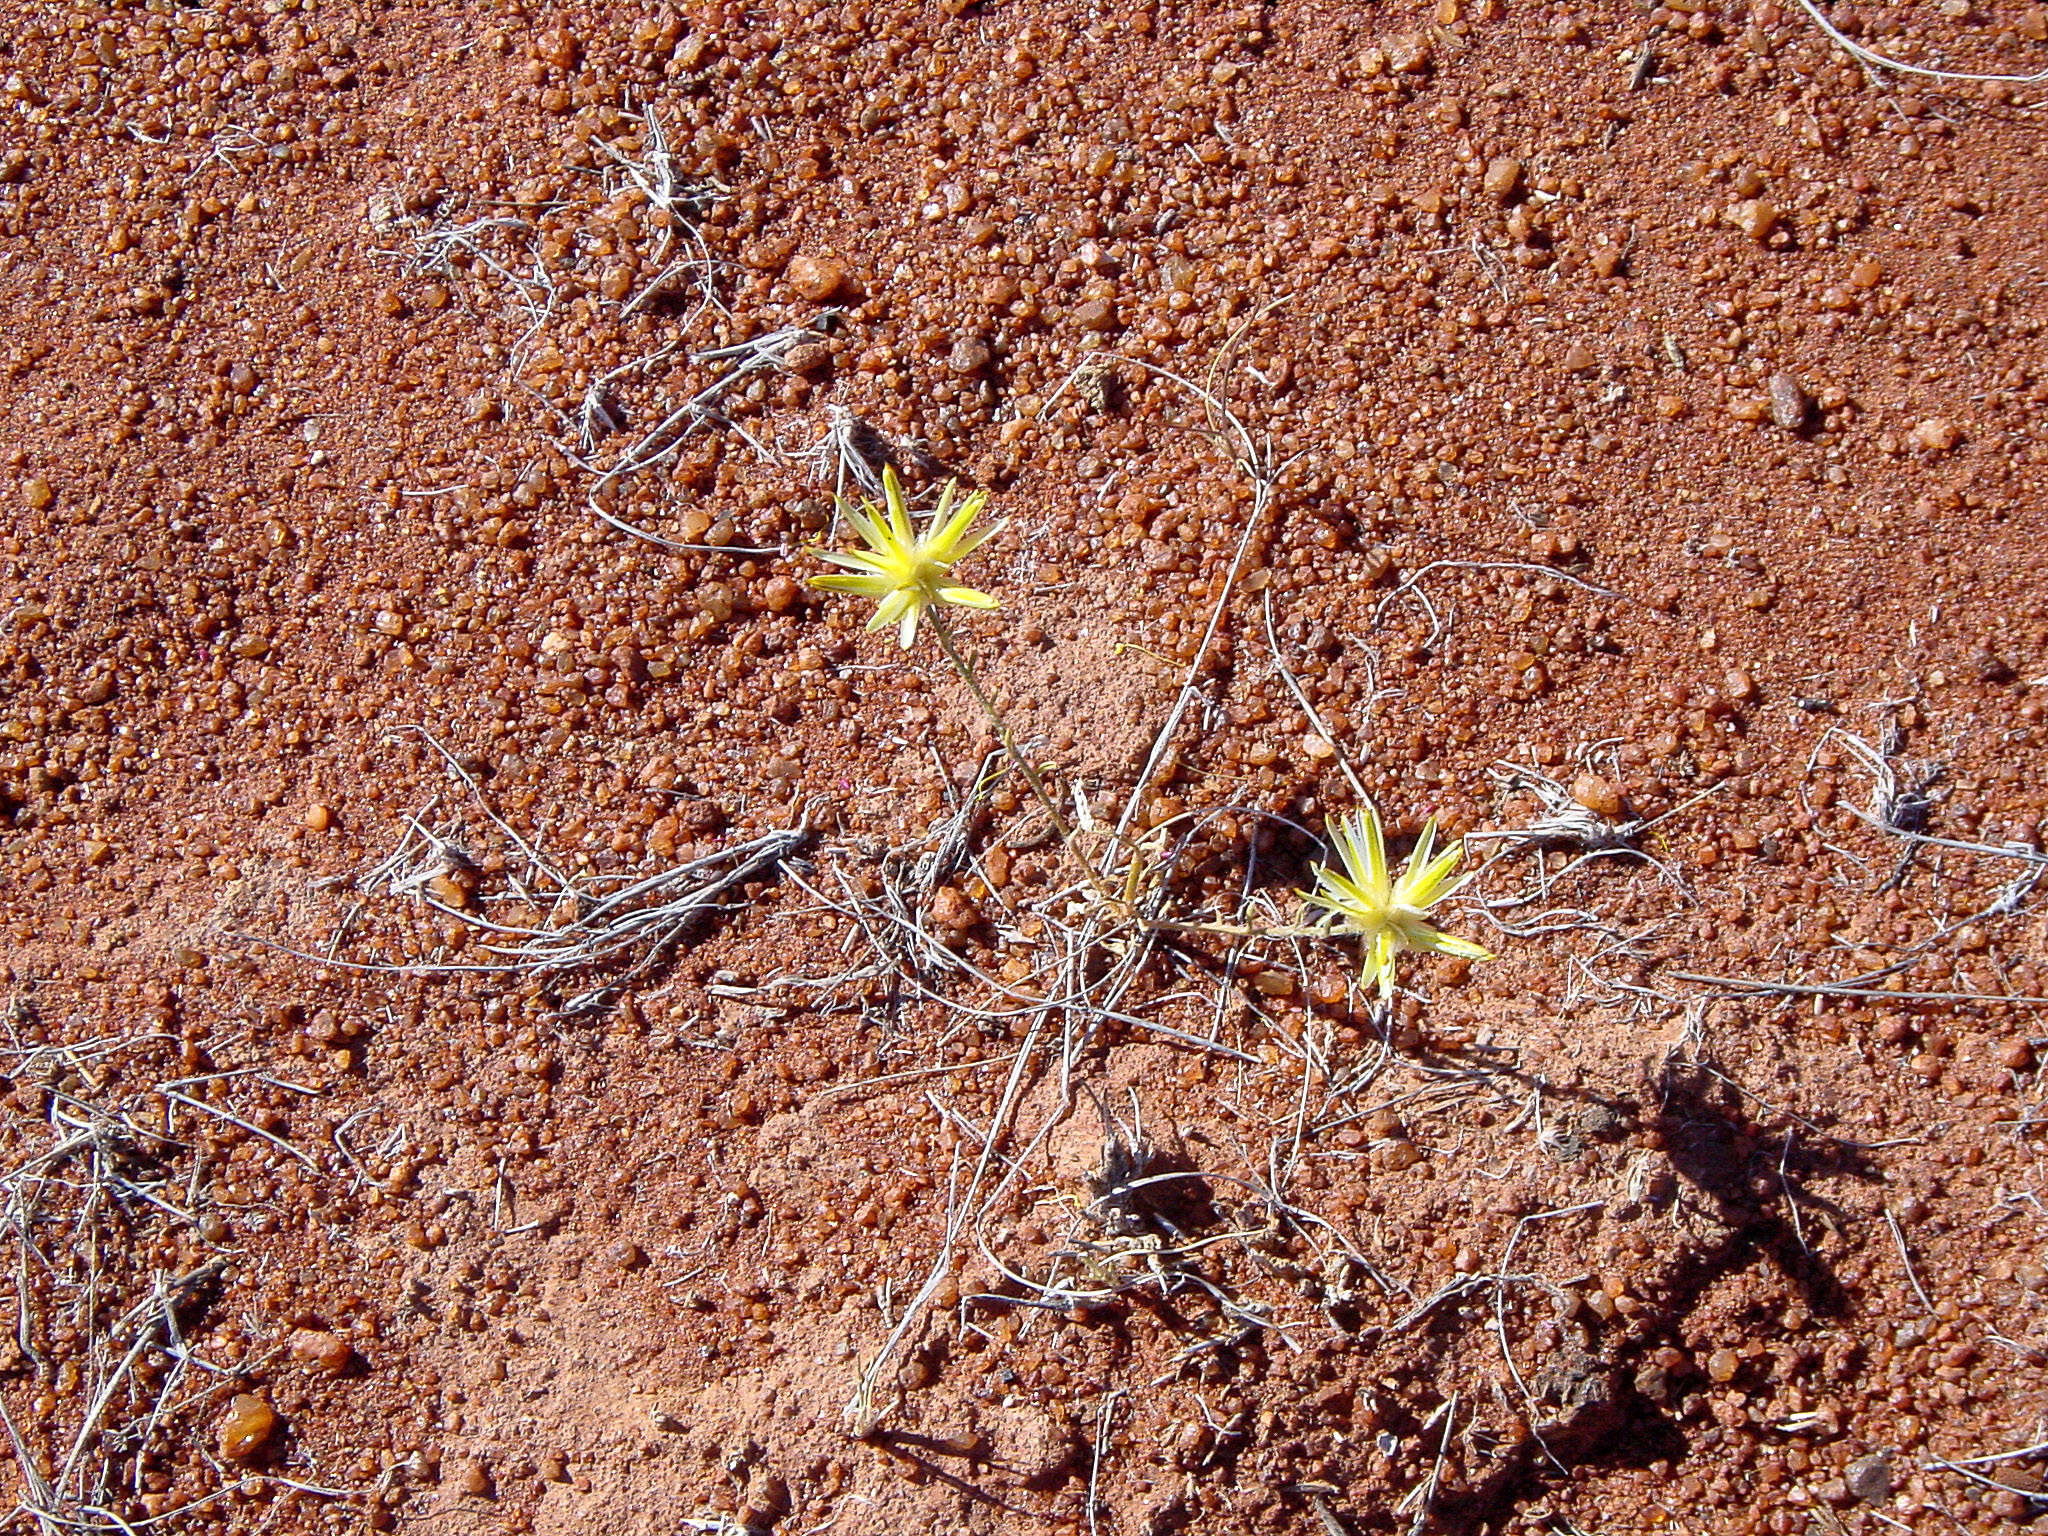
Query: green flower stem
<point x="944" y="632"/>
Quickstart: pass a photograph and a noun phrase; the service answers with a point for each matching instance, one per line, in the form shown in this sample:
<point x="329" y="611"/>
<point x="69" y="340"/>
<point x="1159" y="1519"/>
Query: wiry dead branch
<point x="533" y="918"/>
<point x="850" y="450"/>
<point x="1563" y="826"/>
<point x="734" y="364"/>
<point x="678" y="205"/>
<point x="123" y="1167"/>
<point x="1901" y="808"/>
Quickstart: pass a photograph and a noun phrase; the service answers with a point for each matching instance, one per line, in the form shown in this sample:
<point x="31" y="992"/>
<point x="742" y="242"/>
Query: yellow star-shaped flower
<point x="904" y="573"/>
<point x="1387" y="913"/>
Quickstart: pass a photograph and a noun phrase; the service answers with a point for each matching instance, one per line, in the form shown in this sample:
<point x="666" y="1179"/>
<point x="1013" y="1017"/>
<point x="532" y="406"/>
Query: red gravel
<point x="1653" y="400"/>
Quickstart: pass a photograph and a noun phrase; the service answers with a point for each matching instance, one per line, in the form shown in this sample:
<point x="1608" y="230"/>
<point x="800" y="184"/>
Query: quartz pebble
<point x="1408" y="53"/>
<point x="1937" y="434"/>
<point x="1096" y="315"/>
<point x="1598" y="795"/>
<point x="970" y="355"/>
<point x="816" y="278"/>
<point x="325" y="1353"/>
<point x="1755" y="217"/>
<point x="953" y="909"/>
<point x="247" y="1427"/>
<point x="1503" y="178"/>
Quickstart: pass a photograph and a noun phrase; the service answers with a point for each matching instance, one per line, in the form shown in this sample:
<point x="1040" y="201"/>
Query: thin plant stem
<point x="947" y="643"/>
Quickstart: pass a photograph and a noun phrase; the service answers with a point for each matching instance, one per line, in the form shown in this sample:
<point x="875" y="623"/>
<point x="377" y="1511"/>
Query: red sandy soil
<point x="1650" y="399"/>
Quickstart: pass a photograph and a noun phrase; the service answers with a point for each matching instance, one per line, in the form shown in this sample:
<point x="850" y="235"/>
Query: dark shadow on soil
<point x="923" y="1451"/>
<point x="1753" y="1183"/>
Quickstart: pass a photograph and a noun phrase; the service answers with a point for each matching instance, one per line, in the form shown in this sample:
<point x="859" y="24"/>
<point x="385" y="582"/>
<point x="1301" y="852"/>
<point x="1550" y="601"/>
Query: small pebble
<point x="970" y="355"/>
<point x="448" y="891"/>
<point x="1654" y="1382"/>
<point x="1790" y="404"/>
<point x="953" y="909"/>
<point x="817" y="278"/>
<point x="1937" y="434"/>
<point x="37" y="494"/>
<point x="326" y="1353"/>
<point x="247" y="1427"/>
<point x="768" y="255"/>
<point x="556" y="47"/>
<point x="1408" y="53"/>
<point x="1869" y="1478"/>
<point x="1503" y="178"/>
<point x="1598" y="795"/>
<point x="808" y="360"/>
<point x="1096" y="315"/>
<point x="1755" y="217"/>
<point x="1330" y="988"/>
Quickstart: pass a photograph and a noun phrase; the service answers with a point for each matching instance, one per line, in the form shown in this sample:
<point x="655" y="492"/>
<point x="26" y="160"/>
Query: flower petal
<point x="950" y="540"/>
<point x="937" y="519"/>
<point x="1340" y="894"/>
<point x="892" y="608"/>
<point x="1350" y="856"/>
<point x="967" y="597"/>
<point x="1379" y="963"/>
<point x="1419" y="856"/>
<point x="859" y="586"/>
<point x="1423" y="886"/>
<point x="899" y="511"/>
<point x="853" y="560"/>
<point x="868" y="521"/>
<point x="1433" y="941"/>
<point x="971" y="540"/>
<point x="1364" y="850"/>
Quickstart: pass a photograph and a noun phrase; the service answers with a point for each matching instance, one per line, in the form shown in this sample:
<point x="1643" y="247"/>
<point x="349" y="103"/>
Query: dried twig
<point x="598" y="920"/>
<point x="1871" y="59"/>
